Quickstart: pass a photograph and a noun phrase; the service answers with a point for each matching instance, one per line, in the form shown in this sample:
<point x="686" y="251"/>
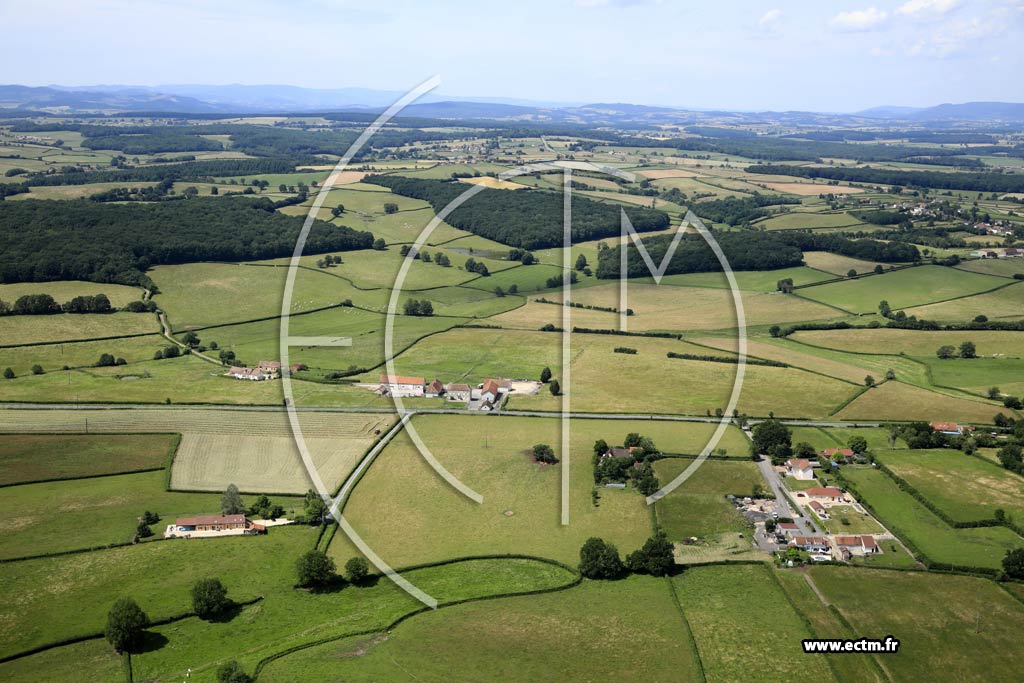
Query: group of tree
<point x="316" y="570"/>
<point x="737" y="210"/>
<point x="636" y="466"/>
<point x="119" y="242"/>
<point x="600" y="559"/>
<point x="478" y="267"/>
<point x="943" y="180"/>
<point x="417" y="307"/>
<point x="774" y="439"/>
<point x="525" y="219"/>
<point x="967" y="350"/>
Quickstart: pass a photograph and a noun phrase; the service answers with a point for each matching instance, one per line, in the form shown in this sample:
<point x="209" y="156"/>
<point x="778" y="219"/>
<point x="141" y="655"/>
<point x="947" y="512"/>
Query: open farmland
<point x="837" y="264"/>
<point x="951" y="628"/>
<point x="254" y="450"/>
<point x="479" y="641"/>
<point x="698" y="507"/>
<point x="918" y="404"/>
<point x="729" y="609"/>
<point x="55" y="357"/>
<point x="44" y="457"/>
<point x="967" y="489"/>
<point x="65" y="327"/>
<point x="63" y="291"/>
<point x="921" y="343"/>
<point x="1007" y="303"/>
<point x="902" y="289"/>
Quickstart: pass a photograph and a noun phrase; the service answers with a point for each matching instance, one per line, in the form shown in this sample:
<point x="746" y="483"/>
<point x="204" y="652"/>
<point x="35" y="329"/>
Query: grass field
<point x="793" y="356"/>
<point x="698" y="507"/>
<point x="914" y="403"/>
<point x="803" y="220"/>
<point x="731" y="610"/>
<point x="837" y="264"/>
<point x="41" y="457"/>
<point x="28" y="329"/>
<point x="583" y="631"/>
<point x="696" y="386"/>
<point x="902" y="288"/>
<point x="919" y="343"/>
<point x="965" y="488"/>
<point x="65" y="290"/>
<point x="426" y="520"/>
<point x="902" y="514"/>
<point x="1004" y="303"/>
<point x="951" y="628"/>
<point x="54" y="357"/>
<point x="1002" y="267"/>
<point x="254" y="450"/>
<point x="856" y="523"/>
<point x="92" y="660"/>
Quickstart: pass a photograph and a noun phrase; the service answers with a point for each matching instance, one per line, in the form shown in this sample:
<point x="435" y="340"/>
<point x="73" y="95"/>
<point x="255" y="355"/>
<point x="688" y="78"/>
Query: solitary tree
<point x="209" y="598"/>
<point x="232" y="672"/>
<point x="315" y="569"/>
<point x="858" y="444"/>
<point x="379" y="244"/>
<point x="338" y="210"/>
<point x="125" y="623"/>
<point x="544" y="453"/>
<point x="545" y="375"/>
<point x="869" y="381"/>
<point x="37" y="369"/>
<point x="8" y="373"/>
<point x="946" y="352"/>
<point x="967" y="350"/>
<point x="994" y="393"/>
<point x="581" y="262"/>
<point x="315" y="508"/>
<point x="231" y="502"/>
<point x="555" y="387"/>
<point x="356" y="569"/>
<point x="390" y="207"/>
<point x="599" y="560"/>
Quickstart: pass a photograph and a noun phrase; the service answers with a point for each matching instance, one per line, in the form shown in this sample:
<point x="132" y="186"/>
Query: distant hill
<point x="968" y="111"/>
<point x="137" y="99"/>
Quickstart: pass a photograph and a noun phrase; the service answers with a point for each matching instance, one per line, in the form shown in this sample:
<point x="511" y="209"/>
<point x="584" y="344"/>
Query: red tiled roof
<point x="815" y="505"/>
<point x="399" y="379"/>
<point x="269" y="365"/>
<point x="490" y="386"/>
<point x="824" y="492"/>
<point x="809" y="540"/>
<point x="436" y="386"/>
<point x="787" y="525"/>
<point x="828" y="452"/>
<point x="457" y="387"/>
<point x="798" y="463"/>
<point x="865" y="541"/>
<point x="210" y="519"/>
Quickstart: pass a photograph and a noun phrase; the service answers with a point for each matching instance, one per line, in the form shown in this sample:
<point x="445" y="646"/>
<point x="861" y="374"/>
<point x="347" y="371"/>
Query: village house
<point x="397" y="385"/>
<point x="434" y="389"/>
<point x="211" y="526"/>
<point x="818" y="510"/>
<point x="270" y="368"/>
<point x="950" y="428"/>
<point x="458" y="392"/>
<point x="826" y="494"/>
<point x="493" y="390"/>
<point x="254" y="374"/>
<point x="856" y="546"/>
<point x="785" y="530"/>
<point x="800" y="468"/>
<point x="812" y="544"/>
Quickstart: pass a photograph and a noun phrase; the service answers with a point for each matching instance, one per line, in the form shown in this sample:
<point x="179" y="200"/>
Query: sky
<point x="829" y="55"/>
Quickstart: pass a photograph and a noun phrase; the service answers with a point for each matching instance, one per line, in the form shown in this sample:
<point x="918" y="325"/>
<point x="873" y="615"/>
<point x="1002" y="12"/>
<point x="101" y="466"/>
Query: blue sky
<point x="779" y="54"/>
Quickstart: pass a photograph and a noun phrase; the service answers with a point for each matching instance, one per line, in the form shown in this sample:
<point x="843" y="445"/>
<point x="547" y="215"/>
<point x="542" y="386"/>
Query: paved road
<point x="782" y="506"/>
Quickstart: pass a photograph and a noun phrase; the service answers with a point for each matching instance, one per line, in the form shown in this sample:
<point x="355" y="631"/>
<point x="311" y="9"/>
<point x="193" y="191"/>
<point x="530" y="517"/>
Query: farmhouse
<point x="457" y="392"/>
<point x="826" y="494"/>
<point x="951" y="428"/>
<point x="800" y="468"/>
<point x="270" y="368"/>
<point x="856" y="546"/>
<point x="434" y="389"/>
<point x="254" y="374"/>
<point x="397" y="385"/>
<point x="209" y="526"/>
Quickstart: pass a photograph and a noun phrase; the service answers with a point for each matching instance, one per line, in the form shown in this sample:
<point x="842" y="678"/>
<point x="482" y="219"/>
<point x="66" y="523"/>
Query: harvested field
<point x="809" y="189"/>
<point x="915" y="403"/>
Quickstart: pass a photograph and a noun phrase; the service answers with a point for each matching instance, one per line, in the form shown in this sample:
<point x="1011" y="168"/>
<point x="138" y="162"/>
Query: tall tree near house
<point x="231" y="502"/>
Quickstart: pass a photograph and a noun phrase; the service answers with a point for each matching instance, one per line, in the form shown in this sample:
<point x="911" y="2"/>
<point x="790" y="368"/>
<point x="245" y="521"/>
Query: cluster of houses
<point x="1008" y="252"/>
<point x="824" y="548"/>
<point x="213" y="526"/>
<point x="487" y="395"/>
<point x="265" y="369"/>
<point x="997" y="229"/>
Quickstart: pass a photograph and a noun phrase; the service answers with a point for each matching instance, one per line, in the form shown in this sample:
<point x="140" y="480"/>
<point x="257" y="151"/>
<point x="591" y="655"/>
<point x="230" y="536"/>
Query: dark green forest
<point x="527" y="219"/>
<point x="117" y="243"/>
<point x="980" y="182"/>
<point x="736" y="210"/>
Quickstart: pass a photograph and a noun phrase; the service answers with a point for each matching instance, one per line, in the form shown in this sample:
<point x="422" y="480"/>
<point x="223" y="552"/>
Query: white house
<point x="800" y="468"/>
<point x="856" y="546"/>
<point x="254" y="374"/>
<point x="397" y="385"/>
<point x="434" y="389"/>
<point x="457" y="392"/>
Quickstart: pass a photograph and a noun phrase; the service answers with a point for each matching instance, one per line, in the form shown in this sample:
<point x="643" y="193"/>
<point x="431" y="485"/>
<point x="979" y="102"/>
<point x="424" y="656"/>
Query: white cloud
<point x="926" y="9"/>
<point x="770" y="17"/>
<point x="859" y="20"/>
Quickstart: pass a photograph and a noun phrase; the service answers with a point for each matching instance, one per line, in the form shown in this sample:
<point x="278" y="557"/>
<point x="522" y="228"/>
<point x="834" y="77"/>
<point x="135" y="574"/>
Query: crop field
<point x="810" y="189"/>
<point x="1003" y="303"/>
<point x="66" y="290"/>
<point x="85" y="513"/>
<point x="903" y="515"/>
<point x="54" y="357"/>
<point x="730" y="609"/>
<point x="918" y="404"/>
<point x="62" y="327"/>
<point x="965" y="488"/>
<point x="920" y="343"/>
<point x="698" y="507"/>
<point x="754" y="280"/>
<point x="43" y="457"/>
<point x="902" y="288"/>
<point x="699" y="308"/>
<point x="803" y="220"/>
<point x="254" y="450"/>
<point x="498" y="640"/>
<point x="837" y="264"/>
<point x="427" y="520"/>
<point x="697" y="386"/>
<point x="792" y="356"/>
<point x="951" y="628"/>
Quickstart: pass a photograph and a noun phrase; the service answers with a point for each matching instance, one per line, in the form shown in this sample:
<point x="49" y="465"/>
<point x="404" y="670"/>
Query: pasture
<point x="730" y="609"/>
<point x="837" y="264"/>
<point x="919" y="343"/>
<point x="1001" y="267"/>
<point x="902" y="288"/>
<point x="906" y="517"/>
<point x="802" y="220"/>
<point x="64" y="327"/>
<point x="951" y="628"/>
<point x="788" y="354"/>
<point x="54" y="357"/>
<point x="1004" y="303"/>
<point x="899" y="401"/>
<point x="44" y="457"/>
<point x="581" y="628"/>
<point x="965" y="488"/>
<point x="65" y="290"/>
<point x="698" y="507"/>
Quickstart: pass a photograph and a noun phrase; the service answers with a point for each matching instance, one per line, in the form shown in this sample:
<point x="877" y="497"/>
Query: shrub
<point x="232" y="672"/>
<point x="357" y="569"/>
<point x="599" y="560"/>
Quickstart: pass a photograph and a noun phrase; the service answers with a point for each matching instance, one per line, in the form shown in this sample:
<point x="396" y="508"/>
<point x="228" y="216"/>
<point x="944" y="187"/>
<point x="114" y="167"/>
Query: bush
<point x="315" y="569"/>
<point x="357" y="569"/>
<point x="656" y="557"/>
<point x="544" y="453"/>
<point x="125" y="624"/>
<point x="232" y="672"/>
<point x="600" y="560"/>
<point x="209" y="598"/>
<point x="37" y="369"/>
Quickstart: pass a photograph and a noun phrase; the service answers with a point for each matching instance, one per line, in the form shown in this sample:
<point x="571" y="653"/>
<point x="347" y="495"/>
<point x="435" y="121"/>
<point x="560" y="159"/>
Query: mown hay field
<point x="30" y="329"/>
<point x="40" y="457"/>
<point x="837" y="264"/>
<point x="899" y="401"/>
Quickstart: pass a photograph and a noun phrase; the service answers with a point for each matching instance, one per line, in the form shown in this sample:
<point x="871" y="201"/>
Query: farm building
<point x="856" y="546"/>
<point x="397" y="385"/>
<point x="951" y="428"/>
<point x="254" y="374"/>
<point x="210" y="526"/>
<point x="812" y="544"/>
<point x="434" y="389"/>
<point x="270" y="368"/>
<point x="457" y="392"/>
<point x="800" y="468"/>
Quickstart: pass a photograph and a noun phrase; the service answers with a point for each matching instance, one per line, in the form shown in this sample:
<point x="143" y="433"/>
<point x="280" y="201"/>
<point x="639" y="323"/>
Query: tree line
<point x="526" y="219"/>
<point x="736" y="210"/>
<point x="943" y="180"/>
<point x="117" y="243"/>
